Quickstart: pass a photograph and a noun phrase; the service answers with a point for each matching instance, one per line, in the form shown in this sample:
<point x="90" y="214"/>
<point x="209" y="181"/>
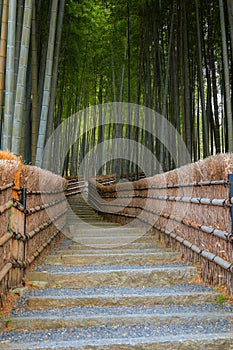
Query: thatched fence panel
<point x="188" y="208"/>
<point x="75" y="185"/>
<point x="32" y="214"/>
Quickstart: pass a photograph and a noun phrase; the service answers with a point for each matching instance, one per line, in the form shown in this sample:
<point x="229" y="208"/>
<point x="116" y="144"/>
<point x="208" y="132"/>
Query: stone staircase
<point x="110" y="288"/>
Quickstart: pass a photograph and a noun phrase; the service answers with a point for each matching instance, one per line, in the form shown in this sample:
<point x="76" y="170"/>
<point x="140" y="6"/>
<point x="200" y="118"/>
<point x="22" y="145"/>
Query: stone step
<point x="93" y="222"/>
<point x="84" y="317"/>
<point x="138" y="258"/>
<point x="75" y="276"/>
<point x="83" y="250"/>
<point x="76" y="215"/>
<point x="147" y="337"/>
<point x="103" y="232"/>
<point x="87" y="219"/>
<point x="99" y="235"/>
<point x="185" y="294"/>
<point x="110" y="243"/>
<point x="117" y="231"/>
<point x="110" y="246"/>
<point x="128" y="246"/>
<point x="107" y="240"/>
<point x="75" y="211"/>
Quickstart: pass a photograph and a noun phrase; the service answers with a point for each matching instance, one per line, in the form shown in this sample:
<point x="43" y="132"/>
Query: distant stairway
<point x="110" y="288"/>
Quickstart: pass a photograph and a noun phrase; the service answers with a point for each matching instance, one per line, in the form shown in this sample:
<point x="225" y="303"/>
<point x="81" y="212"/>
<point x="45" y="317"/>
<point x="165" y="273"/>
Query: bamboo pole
<point x="21" y="78"/>
<point x="226" y="77"/>
<point x="3" y="42"/>
<point x="55" y="68"/>
<point x="47" y="85"/>
<point x="10" y="58"/>
<point x="230" y="16"/>
<point x="34" y="84"/>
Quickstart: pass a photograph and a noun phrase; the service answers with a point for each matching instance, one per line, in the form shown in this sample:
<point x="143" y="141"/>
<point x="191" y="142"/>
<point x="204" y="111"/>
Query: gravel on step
<point x="126" y="332"/>
<point x="89" y="311"/>
<point x="106" y="251"/>
<point x="98" y="268"/>
<point x="116" y="291"/>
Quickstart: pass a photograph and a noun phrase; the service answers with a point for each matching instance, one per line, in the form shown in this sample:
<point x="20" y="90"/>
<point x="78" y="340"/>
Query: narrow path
<point x="110" y="288"/>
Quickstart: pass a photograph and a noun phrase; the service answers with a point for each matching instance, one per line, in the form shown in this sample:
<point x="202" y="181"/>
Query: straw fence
<point x="188" y="208"/>
<point x="75" y="185"/>
<point x="32" y="215"/>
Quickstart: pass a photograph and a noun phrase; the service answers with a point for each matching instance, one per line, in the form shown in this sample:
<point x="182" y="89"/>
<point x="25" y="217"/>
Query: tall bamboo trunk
<point x="226" y="78"/>
<point x="54" y="82"/>
<point x="1" y="9"/>
<point x="19" y="26"/>
<point x="55" y="69"/>
<point x="21" y="78"/>
<point x="201" y="85"/>
<point x="9" y="95"/>
<point x="47" y="85"/>
<point x="213" y="82"/>
<point x="100" y="129"/>
<point x="34" y="121"/>
<point x="230" y="17"/>
<point x="165" y="93"/>
<point x="3" y="42"/>
<point x="187" y="115"/>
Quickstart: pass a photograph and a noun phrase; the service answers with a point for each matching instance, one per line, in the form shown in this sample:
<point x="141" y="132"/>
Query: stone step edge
<point x="212" y="341"/>
<point x="51" y="322"/>
<point x="88" y="251"/>
<point x="111" y="253"/>
<point x="123" y="300"/>
<point x="156" y="256"/>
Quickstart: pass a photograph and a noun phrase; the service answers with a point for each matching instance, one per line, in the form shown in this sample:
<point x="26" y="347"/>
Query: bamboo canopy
<point x="60" y="57"/>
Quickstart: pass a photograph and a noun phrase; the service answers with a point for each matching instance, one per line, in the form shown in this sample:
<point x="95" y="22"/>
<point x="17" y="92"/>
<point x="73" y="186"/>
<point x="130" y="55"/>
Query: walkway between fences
<point x="110" y="287"/>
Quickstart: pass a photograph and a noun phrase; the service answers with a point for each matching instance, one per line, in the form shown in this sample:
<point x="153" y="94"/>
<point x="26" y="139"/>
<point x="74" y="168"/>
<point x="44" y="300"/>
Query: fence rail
<point x="75" y="185"/>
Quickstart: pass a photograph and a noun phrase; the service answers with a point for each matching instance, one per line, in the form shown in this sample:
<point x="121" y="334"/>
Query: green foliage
<point x="221" y="299"/>
<point x="112" y="47"/>
<point x="9" y="229"/>
<point x="7" y="321"/>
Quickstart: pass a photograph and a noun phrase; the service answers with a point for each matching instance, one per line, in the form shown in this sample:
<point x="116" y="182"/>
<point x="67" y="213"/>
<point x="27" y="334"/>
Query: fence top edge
<point x="107" y="185"/>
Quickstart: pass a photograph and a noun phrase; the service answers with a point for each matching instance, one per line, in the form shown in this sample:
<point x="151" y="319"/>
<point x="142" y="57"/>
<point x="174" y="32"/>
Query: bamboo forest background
<point x="59" y="57"/>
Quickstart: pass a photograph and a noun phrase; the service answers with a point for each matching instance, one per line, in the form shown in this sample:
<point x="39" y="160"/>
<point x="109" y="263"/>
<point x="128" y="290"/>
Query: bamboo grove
<point x="29" y="49"/>
<point x="172" y="56"/>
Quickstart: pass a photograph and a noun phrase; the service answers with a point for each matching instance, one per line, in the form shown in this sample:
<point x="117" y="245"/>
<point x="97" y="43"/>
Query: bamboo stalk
<point x="226" y="77"/>
<point x="3" y="42"/>
<point x="34" y="84"/>
<point x="47" y="85"/>
<point x="21" y="79"/>
<point x="9" y="95"/>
